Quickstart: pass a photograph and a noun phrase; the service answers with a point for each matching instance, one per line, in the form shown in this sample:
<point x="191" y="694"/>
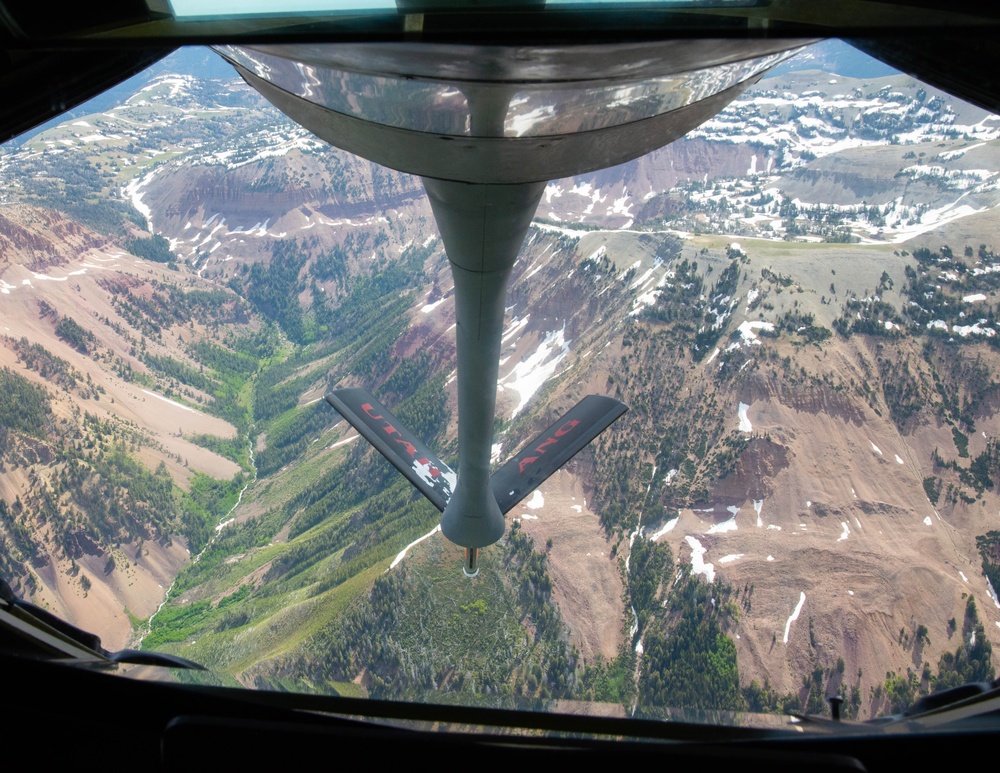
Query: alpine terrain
<point x="798" y="301"/>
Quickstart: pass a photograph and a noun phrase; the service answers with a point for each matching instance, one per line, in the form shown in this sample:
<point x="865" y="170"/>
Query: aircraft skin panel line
<point x="376" y="424"/>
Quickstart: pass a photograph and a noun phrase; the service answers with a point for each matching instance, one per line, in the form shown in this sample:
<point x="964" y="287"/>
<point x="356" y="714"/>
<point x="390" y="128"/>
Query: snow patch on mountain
<point x="698" y="565"/>
<point x="528" y="375"/>
<point x="794" y="616"/>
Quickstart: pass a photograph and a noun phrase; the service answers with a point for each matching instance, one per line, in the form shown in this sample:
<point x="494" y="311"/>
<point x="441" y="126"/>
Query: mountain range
<point x="797" y="301"/>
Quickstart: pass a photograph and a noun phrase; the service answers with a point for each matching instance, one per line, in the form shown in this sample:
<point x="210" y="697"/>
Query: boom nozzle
<point x="471" y="565"/>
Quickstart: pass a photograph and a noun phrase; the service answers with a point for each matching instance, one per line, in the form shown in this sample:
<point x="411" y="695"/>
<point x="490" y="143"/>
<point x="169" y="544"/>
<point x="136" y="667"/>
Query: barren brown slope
<point x="72" y="281"/>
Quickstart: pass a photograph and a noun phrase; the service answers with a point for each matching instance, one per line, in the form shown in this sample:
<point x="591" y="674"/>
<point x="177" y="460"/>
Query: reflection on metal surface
<point x="565" y="111"/>
<point x="506" y="94"/>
